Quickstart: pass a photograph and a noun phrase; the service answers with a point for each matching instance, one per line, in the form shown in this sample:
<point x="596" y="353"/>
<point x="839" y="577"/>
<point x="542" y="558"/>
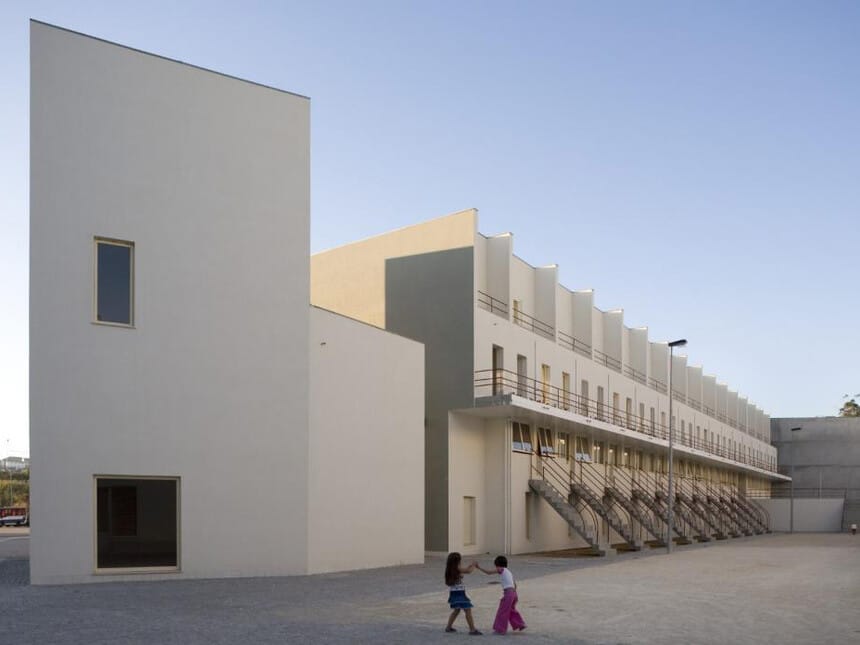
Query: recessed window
<point x="522" y="437"/>
<point x="137" y="523"/>
<point x="114" y="298"/>
<point x="547" y="448"/>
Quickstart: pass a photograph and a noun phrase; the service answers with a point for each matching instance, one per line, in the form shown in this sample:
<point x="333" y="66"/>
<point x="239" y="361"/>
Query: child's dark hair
<point x="452" y="569"/>
<point x="501" y="561"/>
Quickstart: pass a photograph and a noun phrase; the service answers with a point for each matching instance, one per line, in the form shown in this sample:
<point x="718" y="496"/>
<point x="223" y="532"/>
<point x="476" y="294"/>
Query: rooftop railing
<point x="500" y="308"/>
<point x="605" y="359"/>
<point x="533" y="324"/>
<point x="574" y="344"/>
<point x="493" y="305"/>
<point x="635" y="374"/>
<point x="489" y="383"/>
<point x="656" y="384"/>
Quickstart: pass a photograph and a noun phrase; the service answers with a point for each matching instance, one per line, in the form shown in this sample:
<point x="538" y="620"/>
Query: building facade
<point x="547" y="418"/>
<point x="191" y="414"/>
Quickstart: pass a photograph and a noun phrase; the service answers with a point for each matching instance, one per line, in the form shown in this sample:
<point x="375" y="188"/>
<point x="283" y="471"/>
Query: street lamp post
<point x="8" y="471"/>
<point x="791" y="495"/>
<point x="672" y="346"/>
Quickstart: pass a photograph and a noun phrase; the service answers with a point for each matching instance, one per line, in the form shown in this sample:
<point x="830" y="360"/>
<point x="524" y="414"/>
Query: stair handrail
<point x="621" y="473"/>
<point x="561" y="482"/>
<point x="729" y="516"/>
<point x="591" y="480"/>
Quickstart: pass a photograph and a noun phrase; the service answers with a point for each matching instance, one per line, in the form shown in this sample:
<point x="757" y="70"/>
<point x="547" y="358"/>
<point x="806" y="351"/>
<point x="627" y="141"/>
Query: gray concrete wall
<point x="810" y="515"/>
<point x="430" y="298"/>
<point x="825" y="453"/>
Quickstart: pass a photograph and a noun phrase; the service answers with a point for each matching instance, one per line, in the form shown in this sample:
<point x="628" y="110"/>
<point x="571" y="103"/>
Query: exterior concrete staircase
<point x="650" y="502"/>
<point x="585" y="494"/>
<point x="703" y="514"/>
<point x="755" y="522"/>
<point x="741" y="520"/>
<point x="690" y="519"/>
<point x="570" y="514"/>
<point x="636" y="513"/>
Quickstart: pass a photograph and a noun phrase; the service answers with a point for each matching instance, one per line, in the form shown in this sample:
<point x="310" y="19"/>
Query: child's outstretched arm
<point x="489" y="572"/>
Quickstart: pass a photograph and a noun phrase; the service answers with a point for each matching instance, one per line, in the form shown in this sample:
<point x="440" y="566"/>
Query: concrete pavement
<point x="802" y="588"/>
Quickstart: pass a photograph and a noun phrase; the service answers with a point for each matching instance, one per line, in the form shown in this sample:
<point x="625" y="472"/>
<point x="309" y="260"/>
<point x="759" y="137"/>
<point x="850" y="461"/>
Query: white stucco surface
<point x="366" y="489"/>
<point x="209" y="177"/>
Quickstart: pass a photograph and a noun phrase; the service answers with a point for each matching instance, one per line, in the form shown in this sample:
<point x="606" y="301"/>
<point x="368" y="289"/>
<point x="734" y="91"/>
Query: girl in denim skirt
<point x="457" y="597"/>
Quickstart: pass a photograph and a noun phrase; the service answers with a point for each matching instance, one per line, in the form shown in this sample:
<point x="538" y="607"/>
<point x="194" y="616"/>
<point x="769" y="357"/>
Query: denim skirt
<point x="459" y="600"/>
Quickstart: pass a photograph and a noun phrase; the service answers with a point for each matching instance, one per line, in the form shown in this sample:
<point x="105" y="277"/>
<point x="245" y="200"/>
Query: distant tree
<point x="850" y="408"/>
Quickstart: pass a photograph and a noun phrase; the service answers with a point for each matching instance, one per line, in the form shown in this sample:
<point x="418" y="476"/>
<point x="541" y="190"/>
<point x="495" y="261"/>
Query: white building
<point x="546" y="417"/>
<point x="15" y="463"/>
<point x="191" y="414"/>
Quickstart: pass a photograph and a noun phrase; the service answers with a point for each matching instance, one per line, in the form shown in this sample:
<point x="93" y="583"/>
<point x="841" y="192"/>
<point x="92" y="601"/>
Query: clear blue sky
<point x="697" y="164"/>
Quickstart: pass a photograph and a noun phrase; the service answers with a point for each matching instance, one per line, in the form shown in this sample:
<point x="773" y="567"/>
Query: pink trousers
<point x="508" y="613"/>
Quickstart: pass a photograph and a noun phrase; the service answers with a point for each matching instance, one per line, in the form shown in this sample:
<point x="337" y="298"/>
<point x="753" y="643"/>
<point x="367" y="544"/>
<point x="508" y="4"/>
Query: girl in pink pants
<point x="507" y="612"/>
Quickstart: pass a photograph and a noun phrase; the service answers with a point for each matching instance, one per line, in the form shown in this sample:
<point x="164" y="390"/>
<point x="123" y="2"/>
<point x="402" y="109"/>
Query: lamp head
<point x="796" y="429"/>
<point x="678" y="343"/>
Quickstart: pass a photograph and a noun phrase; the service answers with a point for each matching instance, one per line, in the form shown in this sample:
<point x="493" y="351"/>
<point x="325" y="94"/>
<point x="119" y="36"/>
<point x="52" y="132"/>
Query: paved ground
<point x="802" y="589"/>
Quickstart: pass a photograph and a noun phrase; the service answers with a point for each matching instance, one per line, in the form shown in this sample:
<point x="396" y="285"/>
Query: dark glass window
<point x="137" y="523"/>
<point x="114" y="274"/>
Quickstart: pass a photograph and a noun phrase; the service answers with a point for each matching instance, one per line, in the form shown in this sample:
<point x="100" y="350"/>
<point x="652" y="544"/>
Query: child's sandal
<point x="450" y="629"/>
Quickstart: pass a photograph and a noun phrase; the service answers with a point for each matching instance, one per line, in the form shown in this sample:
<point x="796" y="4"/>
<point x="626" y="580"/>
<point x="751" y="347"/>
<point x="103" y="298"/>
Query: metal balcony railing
<point x="656" y="384"/>
<point x="605" y="359"/>
<point x="502" y="382"/>
<point x="533" y="324"/>
<point x="493" y="305"/>
<point x="635" y="374"/>
<point x="574" y="344"/>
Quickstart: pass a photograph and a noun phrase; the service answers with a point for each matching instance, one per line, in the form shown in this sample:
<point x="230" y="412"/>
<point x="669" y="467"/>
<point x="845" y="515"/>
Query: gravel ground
<point x="802" y="588"/>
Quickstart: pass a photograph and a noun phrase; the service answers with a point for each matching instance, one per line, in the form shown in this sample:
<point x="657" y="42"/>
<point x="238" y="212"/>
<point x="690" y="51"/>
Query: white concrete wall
<point x="523" y="287"/>
<point x="209" y="177"/>
<point x="563" y="310"/>
<point x="366" y="488"/>
<point x="499" y="250"/>
<point x="637" y="356"/>
<point x="694" y="383"/>
<point x="709" y="391"/>
<point x="468" y="468"/>
<point x="659" y="366"/>
<point x="613" y="324"/>
<point x="546" y="281"/>
<point x="583" y="308"/>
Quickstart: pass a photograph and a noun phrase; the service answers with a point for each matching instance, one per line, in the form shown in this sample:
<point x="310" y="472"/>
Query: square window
<point x="137" y="524"/>
<point x="114" y="297"/>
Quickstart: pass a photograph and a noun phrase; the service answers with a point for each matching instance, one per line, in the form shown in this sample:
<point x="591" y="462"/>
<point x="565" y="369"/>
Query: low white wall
<point x="366" y="461"/>
<point x="810" y="515"/>
<point x="467" y="478"/>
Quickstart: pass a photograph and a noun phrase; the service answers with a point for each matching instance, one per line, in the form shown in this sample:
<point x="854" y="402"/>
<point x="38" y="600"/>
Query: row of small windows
<point x="542" y="391"/>
<point x="561" y="445"/>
